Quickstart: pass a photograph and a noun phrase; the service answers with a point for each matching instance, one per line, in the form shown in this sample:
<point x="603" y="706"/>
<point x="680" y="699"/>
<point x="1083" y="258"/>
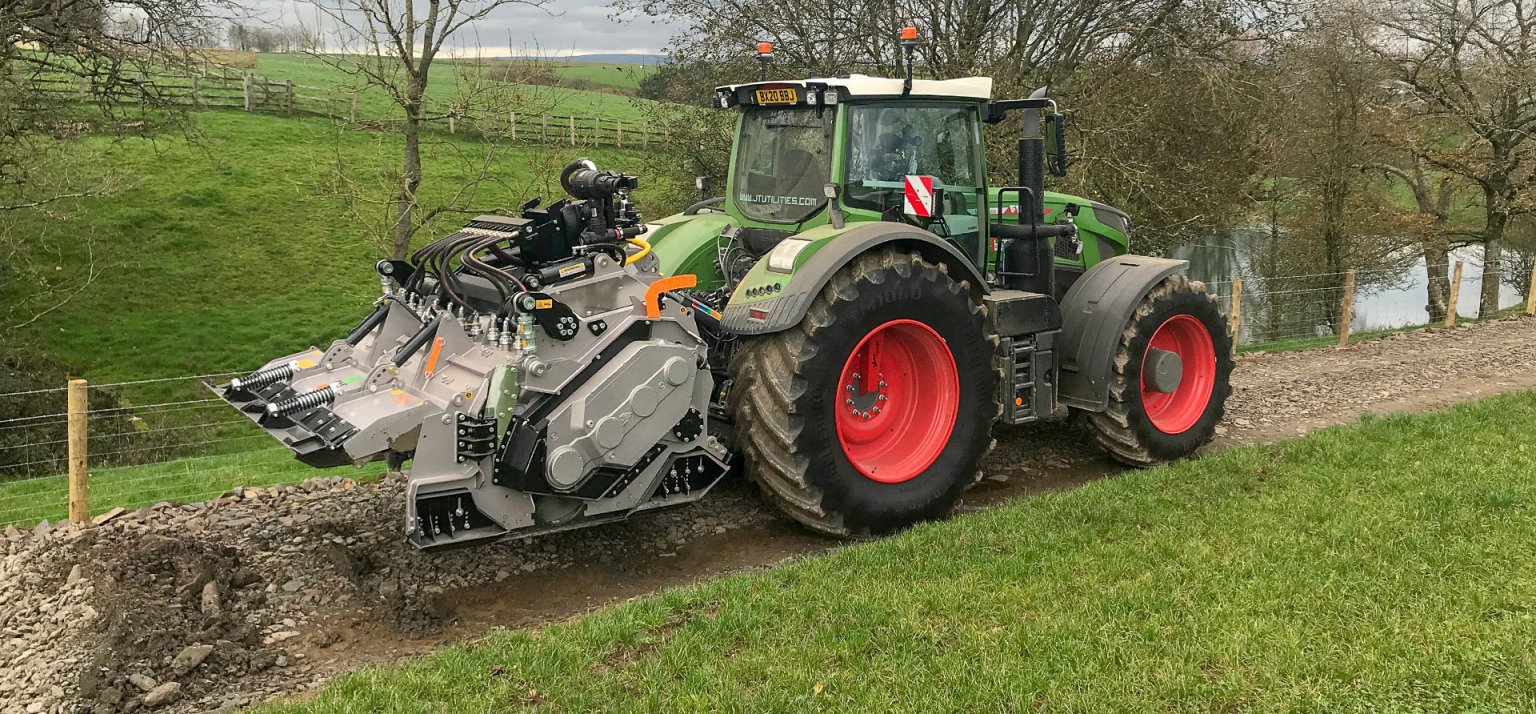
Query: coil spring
<point x="303" y="402"/>
<point x="262" y="378"/>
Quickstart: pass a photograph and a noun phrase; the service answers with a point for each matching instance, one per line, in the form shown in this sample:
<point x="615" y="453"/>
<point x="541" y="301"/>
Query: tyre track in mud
<point x="271" y="591"/>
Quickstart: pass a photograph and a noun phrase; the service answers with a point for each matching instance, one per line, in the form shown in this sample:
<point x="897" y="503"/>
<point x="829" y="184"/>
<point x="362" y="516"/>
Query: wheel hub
<point x="898" y="398"/>
<point x="865" y="405"/>
<point x="1163" y="370"/>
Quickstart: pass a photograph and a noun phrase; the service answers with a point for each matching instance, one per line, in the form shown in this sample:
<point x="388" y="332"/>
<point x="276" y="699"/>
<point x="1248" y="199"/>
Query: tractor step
<point x="1029" y="377"/>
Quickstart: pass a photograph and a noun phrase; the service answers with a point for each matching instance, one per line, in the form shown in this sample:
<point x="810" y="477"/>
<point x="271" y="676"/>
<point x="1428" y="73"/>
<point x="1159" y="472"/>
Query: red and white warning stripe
<point x="918" y="200"/>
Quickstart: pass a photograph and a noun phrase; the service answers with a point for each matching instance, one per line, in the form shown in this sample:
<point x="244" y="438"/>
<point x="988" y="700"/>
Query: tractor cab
<point x="853" y="142"/>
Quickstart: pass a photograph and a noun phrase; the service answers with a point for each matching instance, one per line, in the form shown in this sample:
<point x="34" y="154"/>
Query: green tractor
<point x="848" y="322"/>
<point x="886" y="306"/>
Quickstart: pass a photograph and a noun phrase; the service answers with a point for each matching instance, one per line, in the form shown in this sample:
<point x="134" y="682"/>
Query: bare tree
<point x="1432" y="197"/>
<point x="1471" y="67"/>
<point x="394" y="45"/>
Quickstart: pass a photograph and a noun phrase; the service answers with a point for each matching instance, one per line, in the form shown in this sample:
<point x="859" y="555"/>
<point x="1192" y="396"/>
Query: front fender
<point x="771" y="298"/>
<point x="1094" y="313"/>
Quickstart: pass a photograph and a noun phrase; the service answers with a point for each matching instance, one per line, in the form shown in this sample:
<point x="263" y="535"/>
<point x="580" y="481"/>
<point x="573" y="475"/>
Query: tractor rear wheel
<point x="875" y="411"/>
<point x="1171" y="377"/>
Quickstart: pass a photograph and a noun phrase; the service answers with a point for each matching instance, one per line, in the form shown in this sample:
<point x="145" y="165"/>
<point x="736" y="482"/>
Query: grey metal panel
<point x="1094" y="314"/>
<point x="786" y="310"/>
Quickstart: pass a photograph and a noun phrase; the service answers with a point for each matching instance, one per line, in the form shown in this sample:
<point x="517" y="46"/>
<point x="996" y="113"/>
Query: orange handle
<point x="653" y="293"/>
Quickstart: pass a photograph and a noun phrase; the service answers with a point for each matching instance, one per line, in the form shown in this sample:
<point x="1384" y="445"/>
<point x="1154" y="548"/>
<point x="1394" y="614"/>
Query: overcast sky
<point x="562" y="27"/>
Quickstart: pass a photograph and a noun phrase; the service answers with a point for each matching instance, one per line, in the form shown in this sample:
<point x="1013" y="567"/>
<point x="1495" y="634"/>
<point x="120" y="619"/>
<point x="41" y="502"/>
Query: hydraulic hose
<point x="643" y="245"/>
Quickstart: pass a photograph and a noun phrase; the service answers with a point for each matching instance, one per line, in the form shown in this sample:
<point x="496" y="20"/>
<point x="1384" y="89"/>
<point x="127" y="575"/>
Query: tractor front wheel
<point x="1171" y="377"/>
<point x="875" y="411"/>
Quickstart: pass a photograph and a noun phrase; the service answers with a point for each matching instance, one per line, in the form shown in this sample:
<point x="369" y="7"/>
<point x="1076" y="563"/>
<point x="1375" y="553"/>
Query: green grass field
<point x="624" y="77"/>
<point x="1387" y="566"/>
<point x="446" y="85"/>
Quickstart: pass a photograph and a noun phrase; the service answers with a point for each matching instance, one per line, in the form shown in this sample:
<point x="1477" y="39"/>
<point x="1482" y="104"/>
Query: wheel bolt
<point x="849" y="402"/>
<point x="866" y="415"/>
<point x="880" y="397"/>
<point x="877" y="410"/>
<point x="882" y="383"/>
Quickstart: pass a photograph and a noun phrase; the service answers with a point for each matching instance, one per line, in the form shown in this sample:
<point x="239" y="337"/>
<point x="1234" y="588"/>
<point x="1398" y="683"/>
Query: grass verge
<point x="190" y="480"/>
<point x="1385" y="566"/>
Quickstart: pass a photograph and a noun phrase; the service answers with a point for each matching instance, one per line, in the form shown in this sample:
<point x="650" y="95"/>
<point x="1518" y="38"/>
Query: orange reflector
<point x="437" y="351"/>
<point x="765" y="48"/>
<point x="909" y="33"/>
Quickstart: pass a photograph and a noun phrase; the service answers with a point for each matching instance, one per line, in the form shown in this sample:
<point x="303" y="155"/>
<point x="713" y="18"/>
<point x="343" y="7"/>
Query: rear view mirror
<point x="1056" y="144"/>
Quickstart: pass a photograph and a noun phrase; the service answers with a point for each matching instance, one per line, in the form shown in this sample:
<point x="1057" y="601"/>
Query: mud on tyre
<point x="875" y="411"/>
<point x="1144" y="424"/>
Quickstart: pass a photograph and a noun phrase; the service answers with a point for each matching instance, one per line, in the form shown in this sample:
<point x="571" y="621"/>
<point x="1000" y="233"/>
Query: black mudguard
<point x="1094" y="313"/>
<point x="787" y="309"/>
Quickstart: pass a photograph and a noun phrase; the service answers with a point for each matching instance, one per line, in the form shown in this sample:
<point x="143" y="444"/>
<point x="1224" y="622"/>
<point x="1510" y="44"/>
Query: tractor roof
<point x="856" y="86"/>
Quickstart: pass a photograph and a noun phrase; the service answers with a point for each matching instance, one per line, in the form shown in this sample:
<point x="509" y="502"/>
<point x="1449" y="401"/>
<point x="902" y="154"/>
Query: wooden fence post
<point x="1450" y="304"/>
<point x="645" y="137"/>
<point x="1530" y="294"/>
<point x="288" y="100"/>
<point x="618" y="132"/>
<point x="1347" y="307"/>
<point x="352" y="114"/>
<point x="544" y="130"/>
<point x="452" y="127"/>
<point x="512" y="125"/>
<point x="597" y="130"/>
<point x="1235" y="313"/>
<point x="79" y="486"/>
<point x="573" y="131"/>
<point x="245" y="89"/>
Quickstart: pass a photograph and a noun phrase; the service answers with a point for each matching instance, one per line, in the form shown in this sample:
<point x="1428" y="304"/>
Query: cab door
<point x="889" y="141"/>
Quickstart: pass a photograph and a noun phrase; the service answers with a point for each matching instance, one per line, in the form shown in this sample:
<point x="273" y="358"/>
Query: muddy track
<point x="202" y="606"/>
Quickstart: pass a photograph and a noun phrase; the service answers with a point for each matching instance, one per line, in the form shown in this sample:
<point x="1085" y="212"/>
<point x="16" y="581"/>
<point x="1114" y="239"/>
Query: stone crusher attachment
<point x="549" y="379"/>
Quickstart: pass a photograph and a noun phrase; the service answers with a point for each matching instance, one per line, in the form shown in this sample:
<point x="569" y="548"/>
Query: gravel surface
<point x="191" y="608"/>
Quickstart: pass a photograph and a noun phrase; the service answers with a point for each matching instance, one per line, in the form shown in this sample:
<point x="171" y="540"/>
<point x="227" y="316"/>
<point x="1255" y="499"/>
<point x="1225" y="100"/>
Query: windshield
<point x="783" y="161"/>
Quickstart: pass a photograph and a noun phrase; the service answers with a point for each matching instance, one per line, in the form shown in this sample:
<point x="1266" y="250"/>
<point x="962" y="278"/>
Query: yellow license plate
<point x="776" y="96"/>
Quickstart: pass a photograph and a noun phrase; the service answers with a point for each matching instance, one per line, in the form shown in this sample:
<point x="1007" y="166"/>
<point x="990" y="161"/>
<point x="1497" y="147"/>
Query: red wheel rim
<point x="1175" y="412"/>
<point x="897" y="399"/>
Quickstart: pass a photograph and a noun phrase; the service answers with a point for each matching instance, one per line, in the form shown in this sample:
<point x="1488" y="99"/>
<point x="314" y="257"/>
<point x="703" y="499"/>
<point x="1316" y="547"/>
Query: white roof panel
<point x="859" y="85"/>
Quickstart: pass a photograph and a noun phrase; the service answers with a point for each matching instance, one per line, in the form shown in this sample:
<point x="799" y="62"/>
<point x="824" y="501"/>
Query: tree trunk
<point x="1437" y="263"/>
<point x="410" y="181"/>
<point x="1493" y="252"/>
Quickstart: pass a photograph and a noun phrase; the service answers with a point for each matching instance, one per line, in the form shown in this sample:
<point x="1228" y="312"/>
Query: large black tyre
<point x="1141" y="426"/>
<point x="788" y="387"/>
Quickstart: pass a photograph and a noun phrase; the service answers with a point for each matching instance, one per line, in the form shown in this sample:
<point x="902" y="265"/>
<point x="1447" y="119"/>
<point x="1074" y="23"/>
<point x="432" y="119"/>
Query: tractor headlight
<point x="782" y="258"/>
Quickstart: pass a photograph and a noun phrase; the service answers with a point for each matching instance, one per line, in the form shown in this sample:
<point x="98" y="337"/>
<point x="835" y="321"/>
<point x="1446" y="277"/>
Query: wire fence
<point x="1278" y="311"/>
<point x="169" y="439"/>
<point x="145" y="441"/>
